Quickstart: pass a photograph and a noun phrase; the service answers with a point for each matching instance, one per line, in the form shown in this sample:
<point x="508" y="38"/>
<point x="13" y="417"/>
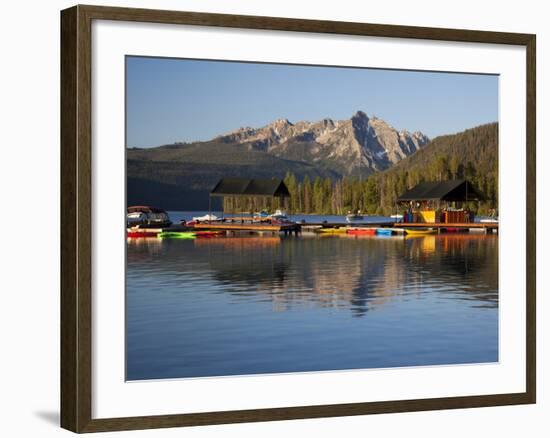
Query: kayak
<point x="419" y="231"/>
<point x="332" y="230"/>
<point x="137" y="234"/>
<point x="177" y="235"/>
<point x="384" y="231"/>
<point x="362" y="231"/>
<point x="208" y="233"/>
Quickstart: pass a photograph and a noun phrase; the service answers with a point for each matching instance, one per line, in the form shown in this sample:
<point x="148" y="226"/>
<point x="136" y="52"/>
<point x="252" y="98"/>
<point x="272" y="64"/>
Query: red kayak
<point x="135" y="234"/>
<point x="208" y="233"/>
<point x="362" y="231"/>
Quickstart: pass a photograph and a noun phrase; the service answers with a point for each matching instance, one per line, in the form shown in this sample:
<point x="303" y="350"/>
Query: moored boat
<point x="209" y="233"/>
<point x="419" y="231"/>
<point x="136" y="233"/>
<point x="145" y="216"/>
<point x="350" y="217"/>
<point x="362" y="231"/>
<point x="206" y="218"/>
<point x="331" y="230"/>
<point x="262" y="216"/>
<point x="279" y="215"/>
<point x="384" y="231"/>
<point x="177" y="235"/>
<point x="489" y="220"/>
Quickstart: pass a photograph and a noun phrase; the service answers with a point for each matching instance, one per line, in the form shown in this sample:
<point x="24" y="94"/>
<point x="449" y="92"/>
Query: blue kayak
<point x="384" y="231"/>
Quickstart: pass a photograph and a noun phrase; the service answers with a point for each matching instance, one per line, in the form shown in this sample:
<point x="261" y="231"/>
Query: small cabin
<point x="439" y="202"/>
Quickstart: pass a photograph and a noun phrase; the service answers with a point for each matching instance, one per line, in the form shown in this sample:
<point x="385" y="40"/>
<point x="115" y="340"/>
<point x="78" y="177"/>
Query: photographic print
<point x="299" y="218"/>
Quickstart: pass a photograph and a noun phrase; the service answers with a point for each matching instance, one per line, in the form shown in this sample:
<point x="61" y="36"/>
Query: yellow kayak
<point x="332" y="230"/>
<point x="419" y="231"/>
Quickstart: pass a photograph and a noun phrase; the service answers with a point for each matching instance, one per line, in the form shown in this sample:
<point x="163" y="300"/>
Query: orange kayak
<point x="362" y="231"/>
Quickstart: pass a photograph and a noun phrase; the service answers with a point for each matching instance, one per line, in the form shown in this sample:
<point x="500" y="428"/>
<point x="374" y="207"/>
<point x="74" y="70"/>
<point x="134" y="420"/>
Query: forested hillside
<point x="471" y="154"/>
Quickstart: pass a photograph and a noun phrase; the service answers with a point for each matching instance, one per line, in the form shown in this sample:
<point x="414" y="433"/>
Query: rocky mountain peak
<point x="419" y="135"/>
<point x="356" y="145"/>
<point x="280" y="123"/>
<point x="360" y="116"/>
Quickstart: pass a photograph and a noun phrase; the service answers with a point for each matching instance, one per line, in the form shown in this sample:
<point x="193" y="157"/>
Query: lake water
<point x="252" y="304"/>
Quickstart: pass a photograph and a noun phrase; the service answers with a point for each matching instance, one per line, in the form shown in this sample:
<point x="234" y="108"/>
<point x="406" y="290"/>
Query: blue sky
<point x="170" y="100"/>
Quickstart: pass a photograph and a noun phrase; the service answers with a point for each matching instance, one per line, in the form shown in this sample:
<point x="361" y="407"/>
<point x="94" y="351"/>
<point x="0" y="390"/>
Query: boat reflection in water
<point x="269" y="304"/>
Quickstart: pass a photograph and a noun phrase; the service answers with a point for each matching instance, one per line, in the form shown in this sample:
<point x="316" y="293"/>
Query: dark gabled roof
<point x="453" y="190"/>
<point x="250" y="187"/>
<point x="144" y="209"/>
<point x="227" y="186"/>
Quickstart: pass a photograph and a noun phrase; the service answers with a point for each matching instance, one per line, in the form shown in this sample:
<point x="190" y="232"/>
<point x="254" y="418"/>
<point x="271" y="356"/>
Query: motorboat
<point x="489" y="220"/>
<point x="350" y="217"/>
<point x="279" y="215"/>
<point x="144" y="216"/>
<point x="262" y="214"/>
<point x="206" y="218"/>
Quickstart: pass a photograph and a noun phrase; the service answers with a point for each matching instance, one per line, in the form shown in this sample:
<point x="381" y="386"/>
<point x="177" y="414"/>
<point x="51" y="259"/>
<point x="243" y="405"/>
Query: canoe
<point x="138" y="234"/>
<point x="362" y="231"/>
<point x="384" y="231"/>
<point x="419" y="231"/>
<point x="177" y="235"/>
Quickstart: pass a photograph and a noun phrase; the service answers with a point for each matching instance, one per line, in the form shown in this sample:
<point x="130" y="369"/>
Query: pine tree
<point x="307" y="195"/>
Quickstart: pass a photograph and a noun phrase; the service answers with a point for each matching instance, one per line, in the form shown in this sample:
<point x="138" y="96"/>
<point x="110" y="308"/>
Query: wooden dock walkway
<point x="290" y="228"/>
<point x="244" y="226"/>
<point x="347" y="224"/>
<point x="488" y="227"/>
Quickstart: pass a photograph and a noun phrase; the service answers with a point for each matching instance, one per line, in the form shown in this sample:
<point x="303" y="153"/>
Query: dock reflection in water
<point x="248" y="305"/>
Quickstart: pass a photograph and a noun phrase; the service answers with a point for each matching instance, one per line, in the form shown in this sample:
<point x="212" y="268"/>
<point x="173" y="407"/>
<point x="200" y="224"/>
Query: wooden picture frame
<point x="76" y="219"/>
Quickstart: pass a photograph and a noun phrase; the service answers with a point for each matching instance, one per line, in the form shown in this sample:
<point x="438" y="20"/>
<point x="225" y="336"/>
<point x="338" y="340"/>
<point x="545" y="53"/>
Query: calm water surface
<point x="249" y="304"/>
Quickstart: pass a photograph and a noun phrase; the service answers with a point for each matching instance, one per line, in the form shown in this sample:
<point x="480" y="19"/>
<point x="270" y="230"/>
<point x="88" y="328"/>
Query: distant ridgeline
<point x="329" y="167"/>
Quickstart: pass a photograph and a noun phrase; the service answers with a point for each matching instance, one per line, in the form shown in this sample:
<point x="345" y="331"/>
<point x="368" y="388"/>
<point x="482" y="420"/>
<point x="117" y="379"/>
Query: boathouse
<point x="250" y="192"/>
<point x="439" y="202"/>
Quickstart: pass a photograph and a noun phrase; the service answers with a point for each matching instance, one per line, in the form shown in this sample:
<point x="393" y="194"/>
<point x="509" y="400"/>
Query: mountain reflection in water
<point x="258" y="304"/>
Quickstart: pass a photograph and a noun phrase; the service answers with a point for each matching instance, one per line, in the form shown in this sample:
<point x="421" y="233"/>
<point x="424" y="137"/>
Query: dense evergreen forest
<point x="472" y="154"/>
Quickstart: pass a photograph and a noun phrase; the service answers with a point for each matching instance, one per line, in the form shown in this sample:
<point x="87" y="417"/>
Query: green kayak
<point x="177" y="235"/>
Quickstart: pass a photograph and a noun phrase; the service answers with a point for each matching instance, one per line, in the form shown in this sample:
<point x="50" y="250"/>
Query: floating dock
<point x="488" y="227"/>
<point x="248" y="226"/>
<point x="348" y="224"/>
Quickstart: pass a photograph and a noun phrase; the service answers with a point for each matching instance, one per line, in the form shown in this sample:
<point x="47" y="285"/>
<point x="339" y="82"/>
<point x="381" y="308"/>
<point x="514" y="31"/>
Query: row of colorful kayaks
<point x="364" y="231"/>
<point x="358" y="231"/>
<point x="173" y="234"/>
